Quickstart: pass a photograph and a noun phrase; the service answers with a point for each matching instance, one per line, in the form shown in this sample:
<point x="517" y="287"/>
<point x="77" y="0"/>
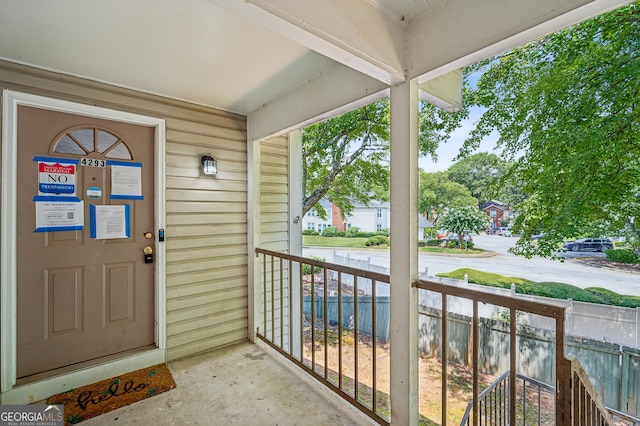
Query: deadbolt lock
<point x="148" y="254"/>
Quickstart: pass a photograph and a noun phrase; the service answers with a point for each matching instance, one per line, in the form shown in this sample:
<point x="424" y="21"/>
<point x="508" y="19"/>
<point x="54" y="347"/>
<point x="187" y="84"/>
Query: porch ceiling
<point x="268" y="58"/>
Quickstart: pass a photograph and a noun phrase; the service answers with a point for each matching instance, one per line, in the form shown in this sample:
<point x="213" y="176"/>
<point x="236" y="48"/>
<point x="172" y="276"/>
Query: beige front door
<point x="83" y="295"/>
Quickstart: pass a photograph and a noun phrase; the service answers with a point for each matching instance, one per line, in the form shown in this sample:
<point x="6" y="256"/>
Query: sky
<point x="449" y="150"/>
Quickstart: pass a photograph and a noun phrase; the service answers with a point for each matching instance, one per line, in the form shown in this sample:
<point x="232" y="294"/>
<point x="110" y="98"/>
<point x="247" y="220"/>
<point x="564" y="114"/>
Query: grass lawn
<point x="359" y="243"/>
<point x="547" y="289"/>
<point x="320" y="241"/>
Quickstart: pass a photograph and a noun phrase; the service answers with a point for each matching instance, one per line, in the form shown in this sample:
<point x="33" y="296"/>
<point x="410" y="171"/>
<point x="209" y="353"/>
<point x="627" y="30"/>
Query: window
<point x="311" y="213"/>
<point x="311" y="226"/>
<point x="492" y="213"/>
<point x="378" y="212"/>
<point x="86" y="140"/>
<point x="379" y="227"/>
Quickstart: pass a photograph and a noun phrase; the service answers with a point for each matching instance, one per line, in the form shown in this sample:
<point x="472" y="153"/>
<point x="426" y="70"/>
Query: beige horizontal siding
<point x="206" y="217"/>
<point x="274" y="190"/>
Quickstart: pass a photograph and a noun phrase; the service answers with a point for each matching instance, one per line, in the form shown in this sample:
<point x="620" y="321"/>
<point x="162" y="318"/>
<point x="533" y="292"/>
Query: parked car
<point x="588" y="244"/>
<point x="501" y="231"/>
<point x="454" y="237"/>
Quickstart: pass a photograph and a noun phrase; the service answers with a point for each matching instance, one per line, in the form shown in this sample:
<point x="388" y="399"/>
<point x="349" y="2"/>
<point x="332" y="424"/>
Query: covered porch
<point x="241" y="384"/>
<point x="238" y="80"/>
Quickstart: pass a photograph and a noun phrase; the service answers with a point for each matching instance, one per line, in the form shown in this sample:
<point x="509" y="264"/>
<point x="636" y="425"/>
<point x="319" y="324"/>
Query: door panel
<point x="80" y="298"/>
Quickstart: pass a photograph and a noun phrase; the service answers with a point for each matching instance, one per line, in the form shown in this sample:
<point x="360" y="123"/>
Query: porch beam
<point x="444" y="92"/>
<point x="337" y="90"/>
<point x="435" y="48"/>
<point x="354" y="33"/>
<point x="404" y="254"/>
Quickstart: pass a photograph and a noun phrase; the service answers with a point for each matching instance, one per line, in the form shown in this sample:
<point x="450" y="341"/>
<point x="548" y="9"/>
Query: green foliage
<point x="484" y="175"/>
<point x="377" y="240"/>
<point x="434" y="242"/>
<point x="464" y="220"/>
<point x="437" y="193"/>
<point x="309" y="232"/>
<point x="566" y="110"/>
<point x="452" y="244"/>
<point x="306" y="268"/>
<point x="352" y="232"/>
<point x="329" y="231"/>
<point x="546" y="289"/>
<point x="622" y="256"/>
<point x="613" y="298"/>
<point x="345" y="159"/>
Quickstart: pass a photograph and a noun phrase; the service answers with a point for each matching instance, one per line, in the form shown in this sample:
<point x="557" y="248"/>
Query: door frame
<point x="35" y="391"/>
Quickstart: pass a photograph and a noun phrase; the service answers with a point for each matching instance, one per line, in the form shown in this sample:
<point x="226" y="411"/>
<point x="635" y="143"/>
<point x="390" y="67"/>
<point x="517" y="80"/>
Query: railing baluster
<point x="356" y="332"/>
<point x="281" y="304"/>
<point x="313" y="317"/>
<point x="374" y="344"/>
<point x="340" y="330"/>
<point x="291" y="306"/>
<point x="264" y="294"/>
<point x="474" y="362"/>
<point x="445" y="361"/>
<point x="301" y="267"/>
<point x="326" y="325"/>
<point x="273" y="300"/>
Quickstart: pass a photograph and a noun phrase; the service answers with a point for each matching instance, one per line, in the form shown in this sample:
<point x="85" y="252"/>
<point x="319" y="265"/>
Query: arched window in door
<point x="86" y="140"/>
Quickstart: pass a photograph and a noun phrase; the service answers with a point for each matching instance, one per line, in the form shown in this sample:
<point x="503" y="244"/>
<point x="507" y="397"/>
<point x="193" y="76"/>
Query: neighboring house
<point x="368" y="218"/>
<point x="497" y="212"/>
<point x="424" y="227"/>
<point x="313" y="222"/>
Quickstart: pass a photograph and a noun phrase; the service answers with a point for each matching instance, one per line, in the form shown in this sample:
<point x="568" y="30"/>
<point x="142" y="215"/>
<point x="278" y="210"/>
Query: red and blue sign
<point x="56" y="176"/>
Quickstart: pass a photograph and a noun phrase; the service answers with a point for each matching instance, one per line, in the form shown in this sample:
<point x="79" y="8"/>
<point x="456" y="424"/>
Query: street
<point x="504" y="263"/>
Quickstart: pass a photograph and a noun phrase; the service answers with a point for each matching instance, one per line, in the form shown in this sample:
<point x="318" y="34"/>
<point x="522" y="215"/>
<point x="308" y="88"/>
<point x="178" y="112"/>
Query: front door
<point x="85" y="289"/>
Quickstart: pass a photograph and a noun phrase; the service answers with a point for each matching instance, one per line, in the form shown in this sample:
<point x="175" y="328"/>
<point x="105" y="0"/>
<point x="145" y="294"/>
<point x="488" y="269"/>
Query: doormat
<point x="101" y="397"/>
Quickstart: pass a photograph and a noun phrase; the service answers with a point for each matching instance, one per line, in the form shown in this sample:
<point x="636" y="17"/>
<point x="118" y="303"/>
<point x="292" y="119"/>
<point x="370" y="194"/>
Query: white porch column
<point x="404" y="254"/>
<point x="253" y="240"/>
<point x="295" y="232"/>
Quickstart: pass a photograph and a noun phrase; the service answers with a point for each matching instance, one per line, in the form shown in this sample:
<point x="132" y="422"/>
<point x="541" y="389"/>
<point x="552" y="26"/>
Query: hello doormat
<point x="98" y="398"/>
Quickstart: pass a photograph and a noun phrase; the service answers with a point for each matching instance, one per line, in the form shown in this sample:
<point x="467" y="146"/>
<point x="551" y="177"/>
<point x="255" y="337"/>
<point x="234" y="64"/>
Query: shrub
<point x="306" y="268"/>
<point x="309" y="232"/>
<point x="622" y="256"/>
<point x="422" y="243"/>
<point x="329" y="231"/>
<point x="377" y="240"/>
<point x="619" y="244"/>
<point x="469" y="244"/>
<point x="362" y="234"/>
<point x="352" y="232"/>
<point x="434" y="242"/>
<point x="384" y="232"/>
<point x="341" y="234"/>
<point x="452" y="244"/>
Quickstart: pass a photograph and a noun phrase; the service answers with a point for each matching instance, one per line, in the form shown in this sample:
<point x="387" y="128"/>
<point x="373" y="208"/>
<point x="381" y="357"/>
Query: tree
<point x="346" y="158"/>
<point x="436" y="193"/>
<point x="566" y="111"/>
<point x="464" y="220"/>
<point x="480" y="173"/>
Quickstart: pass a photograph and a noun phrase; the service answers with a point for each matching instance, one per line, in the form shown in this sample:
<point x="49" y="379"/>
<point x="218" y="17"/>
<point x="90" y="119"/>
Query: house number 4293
<point x="92" y="162"/>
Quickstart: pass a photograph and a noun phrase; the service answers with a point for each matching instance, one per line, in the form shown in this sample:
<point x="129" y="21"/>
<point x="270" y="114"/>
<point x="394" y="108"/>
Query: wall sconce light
<point x="209" y="166"/>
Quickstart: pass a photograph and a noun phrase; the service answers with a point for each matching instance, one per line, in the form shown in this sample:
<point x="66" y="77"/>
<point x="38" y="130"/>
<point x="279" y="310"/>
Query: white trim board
<point x="8" y="244"/>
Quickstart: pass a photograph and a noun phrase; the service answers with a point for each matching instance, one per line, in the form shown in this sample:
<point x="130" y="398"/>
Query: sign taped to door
<point x="58" y="213"/>
<point x="108" y="222"/>
<point x="56" y="176"/>
<point x="126" y="180"/>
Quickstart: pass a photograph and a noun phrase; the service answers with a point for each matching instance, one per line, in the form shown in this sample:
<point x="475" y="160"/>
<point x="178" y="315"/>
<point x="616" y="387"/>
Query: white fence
<point x="589" y="320"/>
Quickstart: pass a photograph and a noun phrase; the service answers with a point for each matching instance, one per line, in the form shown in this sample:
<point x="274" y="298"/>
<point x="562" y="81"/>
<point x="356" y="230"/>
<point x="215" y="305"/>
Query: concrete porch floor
<point x="244" y="384"/>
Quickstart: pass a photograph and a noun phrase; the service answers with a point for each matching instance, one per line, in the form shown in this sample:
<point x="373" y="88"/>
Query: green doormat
<point x="98" y="398"/>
